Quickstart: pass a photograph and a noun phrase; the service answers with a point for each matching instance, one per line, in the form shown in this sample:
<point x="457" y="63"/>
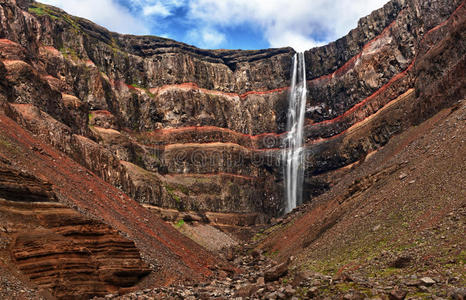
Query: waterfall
<point x="293" y="153"/>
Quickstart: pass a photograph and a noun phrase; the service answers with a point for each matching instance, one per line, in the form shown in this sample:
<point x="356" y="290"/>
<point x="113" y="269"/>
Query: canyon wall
<point x="179" y="127"/>
<point x="100" y="130"/>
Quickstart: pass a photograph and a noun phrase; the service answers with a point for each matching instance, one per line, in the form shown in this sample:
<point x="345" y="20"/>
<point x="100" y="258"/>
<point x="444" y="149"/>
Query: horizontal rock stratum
<point x="167" y="108"/>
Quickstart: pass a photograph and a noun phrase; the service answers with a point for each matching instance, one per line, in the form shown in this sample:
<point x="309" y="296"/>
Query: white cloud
<point x="301" y="24"/>
<point x="157" y="9"/>
<point x="205" y="37"/>
<point x="285" y="38"/>
<point x="107" y="13"/>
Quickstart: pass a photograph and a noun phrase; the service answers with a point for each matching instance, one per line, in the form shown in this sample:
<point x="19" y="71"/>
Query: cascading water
<point x="293" y="153"/>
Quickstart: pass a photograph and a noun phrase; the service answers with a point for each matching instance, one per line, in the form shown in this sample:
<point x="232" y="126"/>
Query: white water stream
<point x="293" y="153"/>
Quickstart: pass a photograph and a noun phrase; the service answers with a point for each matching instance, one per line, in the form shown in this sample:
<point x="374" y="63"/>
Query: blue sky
<point x="228" y="24"/>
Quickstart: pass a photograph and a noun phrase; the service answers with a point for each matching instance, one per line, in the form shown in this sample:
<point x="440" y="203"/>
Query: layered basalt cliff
<point x="103" y="122"/>
<point x="179" y="127"/>
<point x="430" y="82"/>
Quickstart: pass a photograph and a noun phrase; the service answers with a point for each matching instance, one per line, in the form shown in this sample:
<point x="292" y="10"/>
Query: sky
<point x="228" y="24"/>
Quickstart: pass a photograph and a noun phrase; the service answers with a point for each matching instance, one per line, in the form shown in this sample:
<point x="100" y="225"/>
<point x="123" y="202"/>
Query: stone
<point x="260" y="281"/>
<point x="354" y="296"/>
<point x="397" y="294"/>
<point x="272" y="296"/>
<point x="281" y="295"/>
<point x="427" y="281"/>
<point x="457" y="293"/>
<point x="289" y="290"/>
<point x="423" y="288"/>
<point x="345" y="277"/>
<point x="256" y="253"/>
<point x="301" y="276"/>
<point x="401" y="261"/>
<point x="246" y="291"/>
<point x="312" y="292"/>
<point x="276" y="272"/>
<point x="192" y="217"/>
<point x="229" y="254"/>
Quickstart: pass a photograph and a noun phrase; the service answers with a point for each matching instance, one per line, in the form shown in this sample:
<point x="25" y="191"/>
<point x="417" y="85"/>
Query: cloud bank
<point x="107" y="13"/>
<point x="301" y="24"/>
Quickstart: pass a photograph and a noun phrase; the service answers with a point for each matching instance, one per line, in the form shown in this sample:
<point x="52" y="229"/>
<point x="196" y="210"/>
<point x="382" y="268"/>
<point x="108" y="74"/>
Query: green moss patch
<point x="179" y="224"/>
<point x="69" y="53"/>
<point x="39" y="9"/>
<point x="146" y="90"/>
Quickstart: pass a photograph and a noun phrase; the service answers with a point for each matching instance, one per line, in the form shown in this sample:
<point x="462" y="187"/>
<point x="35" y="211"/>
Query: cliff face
<point x="177" y="127"/>
<point x="181" y="127"/>
<point x="180" y="117"/>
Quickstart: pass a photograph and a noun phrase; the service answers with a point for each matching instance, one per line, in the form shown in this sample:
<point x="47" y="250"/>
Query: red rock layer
<point x="315" y="132"/>
<point x="233" y="119"/>
<point x="58" y="248"/>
